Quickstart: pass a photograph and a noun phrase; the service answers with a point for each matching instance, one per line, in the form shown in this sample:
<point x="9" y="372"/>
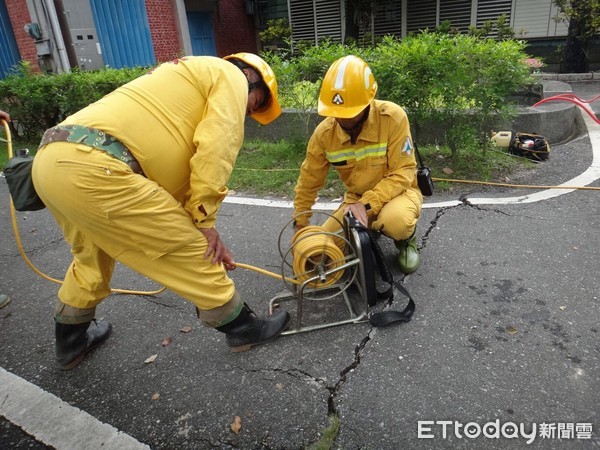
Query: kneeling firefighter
<point x="146" y="169"/>
<point x="368" y="142"/>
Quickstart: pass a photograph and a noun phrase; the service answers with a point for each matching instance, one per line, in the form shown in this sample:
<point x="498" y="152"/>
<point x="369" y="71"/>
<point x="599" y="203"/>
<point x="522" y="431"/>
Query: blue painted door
<point x="9" y="53"/>
<point x="201" y="33"/>
<point x="123" y="32"/>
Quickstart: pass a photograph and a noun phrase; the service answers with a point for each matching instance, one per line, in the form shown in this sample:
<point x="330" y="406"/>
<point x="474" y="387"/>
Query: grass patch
<point x="329" y="435"/>
<point x="495" y="165"/>
<point x="272" y="168"/>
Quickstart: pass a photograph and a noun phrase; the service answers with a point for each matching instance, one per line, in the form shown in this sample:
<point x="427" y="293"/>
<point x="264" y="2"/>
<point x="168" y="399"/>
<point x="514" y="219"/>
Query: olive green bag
<point x="20" y="185"/>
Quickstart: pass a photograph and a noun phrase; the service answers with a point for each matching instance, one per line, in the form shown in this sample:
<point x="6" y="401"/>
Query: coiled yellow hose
<point x="316" y="253"/>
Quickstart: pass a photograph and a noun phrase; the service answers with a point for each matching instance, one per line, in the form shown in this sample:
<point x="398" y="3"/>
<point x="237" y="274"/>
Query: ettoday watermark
<point x="430" y="429"/>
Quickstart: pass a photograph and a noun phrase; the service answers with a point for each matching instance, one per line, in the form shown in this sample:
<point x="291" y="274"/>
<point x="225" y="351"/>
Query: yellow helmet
<point x="270" y="110"/>
<point x="348" y="87"/>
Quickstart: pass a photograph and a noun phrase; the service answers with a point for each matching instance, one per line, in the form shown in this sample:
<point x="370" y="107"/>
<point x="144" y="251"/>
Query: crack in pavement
<point x="334" y="390"/>
<point x="464" y="201"/>
<point x="432" y="225"/>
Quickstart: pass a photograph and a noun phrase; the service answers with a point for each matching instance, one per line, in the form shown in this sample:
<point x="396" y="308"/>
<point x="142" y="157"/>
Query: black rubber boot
<point x="247" y="330"/>
<point x="73" y="341"/>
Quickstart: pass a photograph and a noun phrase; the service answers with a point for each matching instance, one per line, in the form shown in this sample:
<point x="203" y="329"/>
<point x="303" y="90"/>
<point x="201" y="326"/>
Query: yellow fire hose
<point x="527" y="186"/>
<point x="313" y="249"/>
<point x="313" y="246"/>
<point x="20" y="245"/>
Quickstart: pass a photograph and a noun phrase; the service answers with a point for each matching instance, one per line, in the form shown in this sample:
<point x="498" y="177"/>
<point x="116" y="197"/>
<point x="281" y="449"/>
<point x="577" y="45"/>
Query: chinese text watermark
<point x="429" y="429"/>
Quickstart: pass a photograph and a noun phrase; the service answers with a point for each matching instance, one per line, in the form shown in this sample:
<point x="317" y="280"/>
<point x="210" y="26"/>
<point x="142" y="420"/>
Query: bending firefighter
<point x="368" y="143"/>
<point x="146" y="169"/>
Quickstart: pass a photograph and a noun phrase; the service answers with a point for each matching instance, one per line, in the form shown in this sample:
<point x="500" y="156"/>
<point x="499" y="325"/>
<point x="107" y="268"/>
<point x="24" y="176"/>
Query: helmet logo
<point x="337" y="99"/>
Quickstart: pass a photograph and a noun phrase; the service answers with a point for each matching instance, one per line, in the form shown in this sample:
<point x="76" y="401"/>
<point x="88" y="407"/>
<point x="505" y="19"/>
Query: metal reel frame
<point x="355" y="275"/>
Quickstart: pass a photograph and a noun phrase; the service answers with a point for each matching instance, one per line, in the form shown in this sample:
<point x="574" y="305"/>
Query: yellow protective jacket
<point x="378" y="167"/>
<point x="184" y="123"/>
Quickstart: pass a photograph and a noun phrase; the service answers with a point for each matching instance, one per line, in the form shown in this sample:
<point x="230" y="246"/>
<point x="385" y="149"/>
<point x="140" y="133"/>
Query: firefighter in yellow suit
<point x="138" y="177"/>
<point x="368" y="142"/>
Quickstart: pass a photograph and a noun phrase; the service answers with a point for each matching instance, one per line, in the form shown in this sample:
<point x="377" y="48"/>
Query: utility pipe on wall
<point x="58" y="38"/>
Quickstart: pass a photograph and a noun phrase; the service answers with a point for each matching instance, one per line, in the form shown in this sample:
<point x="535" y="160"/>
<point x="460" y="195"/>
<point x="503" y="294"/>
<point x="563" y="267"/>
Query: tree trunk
<point x="351" y="25"/>
<point x="575" y="53"/>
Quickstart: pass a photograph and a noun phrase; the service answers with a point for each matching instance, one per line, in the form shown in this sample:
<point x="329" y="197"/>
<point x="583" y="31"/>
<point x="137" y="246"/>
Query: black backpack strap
<point x="384" y="270"/>
<point x="372" y="256"/>
<point x="385" y="318"/>
<point x="368" y="262"/>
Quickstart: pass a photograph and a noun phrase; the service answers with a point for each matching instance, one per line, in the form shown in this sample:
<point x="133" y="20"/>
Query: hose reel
<point x="320" y="265"/>
<point x="315" y="252"/>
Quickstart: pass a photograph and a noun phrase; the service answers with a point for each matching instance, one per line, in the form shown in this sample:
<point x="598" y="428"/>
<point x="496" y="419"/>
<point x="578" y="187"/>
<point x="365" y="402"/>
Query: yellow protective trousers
<point x="108" y="213"/>
<point x="397" y="218"/>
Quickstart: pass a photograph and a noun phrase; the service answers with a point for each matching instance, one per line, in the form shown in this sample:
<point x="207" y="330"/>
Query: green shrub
<point x="37" y="101"/>
<point x="457" y="82"/>
<point x="276" y="35"/>
<point x="463" y="82"/>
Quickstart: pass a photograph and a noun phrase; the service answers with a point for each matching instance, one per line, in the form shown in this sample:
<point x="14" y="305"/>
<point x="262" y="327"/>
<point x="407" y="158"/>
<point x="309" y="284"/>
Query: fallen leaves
<point x="511" y="330"/>
<point x="167" y="340"/>
<point x="447" y="170"/>
<point x="236" y="425"/>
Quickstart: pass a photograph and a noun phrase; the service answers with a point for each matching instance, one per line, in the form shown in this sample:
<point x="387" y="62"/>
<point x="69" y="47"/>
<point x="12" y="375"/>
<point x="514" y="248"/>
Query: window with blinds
<point x="430" y="13"/>
<point x="458" y="12"/>
<point x="302" y="19"/>
<point x="492" y="9"/>
<point x="421" y="15"/>
<point x="315" y="20"/>
<point x="329" y="20"/>
<point x="385" y="19"/>
<point x="388" y="18"/>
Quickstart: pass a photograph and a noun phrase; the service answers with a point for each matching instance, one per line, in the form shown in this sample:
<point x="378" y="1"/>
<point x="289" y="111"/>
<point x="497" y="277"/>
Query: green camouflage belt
<point x="94" y="138"/>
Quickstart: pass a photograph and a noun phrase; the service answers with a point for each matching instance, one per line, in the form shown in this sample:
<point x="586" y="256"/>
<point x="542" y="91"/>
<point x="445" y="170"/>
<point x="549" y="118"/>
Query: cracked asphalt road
<point x="506" y="330"/>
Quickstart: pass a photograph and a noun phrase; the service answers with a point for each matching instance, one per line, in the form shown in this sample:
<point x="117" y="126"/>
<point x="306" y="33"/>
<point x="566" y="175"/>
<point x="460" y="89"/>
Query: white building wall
<point x="535" y="19"/>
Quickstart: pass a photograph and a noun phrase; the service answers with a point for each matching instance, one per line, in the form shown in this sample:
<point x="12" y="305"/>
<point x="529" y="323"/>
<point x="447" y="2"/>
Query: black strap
<point x="368" y="262"/>
<point x="384" y="270"/>
<point x="385" y="318"/>
<point x="418" y="155"/>
<point x="373" y="255"/>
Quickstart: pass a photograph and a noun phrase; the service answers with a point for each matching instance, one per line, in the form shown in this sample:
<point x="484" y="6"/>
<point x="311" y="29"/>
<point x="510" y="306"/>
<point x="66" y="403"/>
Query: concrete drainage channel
<point x="557" y="121"/>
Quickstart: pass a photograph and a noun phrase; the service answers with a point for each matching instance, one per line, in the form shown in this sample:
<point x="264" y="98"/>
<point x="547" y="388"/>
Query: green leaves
<point x="38" y="101"/>
<point x="459" y="79"/>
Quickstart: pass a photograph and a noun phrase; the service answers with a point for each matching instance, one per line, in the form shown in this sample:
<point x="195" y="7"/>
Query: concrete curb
<point x="569" y="77"/>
